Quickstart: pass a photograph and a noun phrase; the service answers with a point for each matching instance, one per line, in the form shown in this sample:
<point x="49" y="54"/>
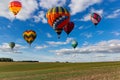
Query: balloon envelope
<point x="29" y="36"/>
<point x="15" y="7"/>
<point x="12" y="45"/>
<point x="74" y="43"/>
<point x="58" y="17"/>
<point x="95" y="18"/>
<point x="58" y="31"/>
<point x="69" y="27"/>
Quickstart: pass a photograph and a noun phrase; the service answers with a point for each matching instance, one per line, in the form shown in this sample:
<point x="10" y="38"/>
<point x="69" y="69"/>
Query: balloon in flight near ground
<point x="69" y="27"/>
<point x="11" y="45"/>
<point x="15" y="7"/>
<point x="58" y="17"/>
<point x="29" y="36"/>
<point x="95" y="18"/>
<point x="74" y="43"/>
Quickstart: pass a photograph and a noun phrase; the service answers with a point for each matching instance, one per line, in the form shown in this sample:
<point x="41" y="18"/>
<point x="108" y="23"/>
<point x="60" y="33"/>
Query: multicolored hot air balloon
<point x="15" y="7"/>
<point x="29" y="36"/>
<point x="74" y="43"/>
<point x="12" y="45"/>
<point x="58" y="31"/>
<point x="58" y="17"/>
<point x="95" y="18"/>
<point x="69" y="27"/>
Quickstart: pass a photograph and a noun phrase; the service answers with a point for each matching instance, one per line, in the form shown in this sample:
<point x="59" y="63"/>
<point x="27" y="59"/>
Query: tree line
<point x="11" y="60"/>
<point x="6" y="60"/>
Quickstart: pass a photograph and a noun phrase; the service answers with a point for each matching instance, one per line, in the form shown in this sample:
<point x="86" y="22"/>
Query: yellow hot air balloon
<point x="15" y="7"/>
<point x="29" y="36"/>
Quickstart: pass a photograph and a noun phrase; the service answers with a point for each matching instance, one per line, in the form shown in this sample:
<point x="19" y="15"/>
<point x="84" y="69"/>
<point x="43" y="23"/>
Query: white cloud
<point x="18" y="46"/>
<point x="115" y="14"/>
<point x="4" y="47"/>
<point x="41" y="47"/>
<point x="100" y="32"/>
<point x="116" y="33"/>
<point x="4" y="8"/>
<point x="87" y="17"/>
<point x="46" y="4"/>
<point x="100" y="55"/>
<point x="28" y="7"/>
<point x="80" y="5"/>
<point x="48" y="35"/>
<point x="111" y="46"/>
<point x="87" y="35"/>
<point x="85" y="43"/>
<point x="40" y="17"/>
<point x="8" y="26"/>
<point x="100" y="11"/>
<point x="81" y="27"/>
<point x="68" y="40"/>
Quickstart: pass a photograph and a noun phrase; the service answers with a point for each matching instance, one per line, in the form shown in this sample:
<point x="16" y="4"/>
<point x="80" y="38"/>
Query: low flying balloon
<point x="95" y="18"/>
<point x="15" y="6"/>
<point x="74" y="43"/>
<point x="69" y="27"/>
<point x="12" y="45"/>
<point x="58" y="17"/>
<point x="29" y="36"/>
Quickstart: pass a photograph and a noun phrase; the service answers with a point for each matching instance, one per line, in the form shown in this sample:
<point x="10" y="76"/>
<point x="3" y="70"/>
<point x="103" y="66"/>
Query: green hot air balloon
<point x="12" y="45"/>
<point x="74" y="43"/>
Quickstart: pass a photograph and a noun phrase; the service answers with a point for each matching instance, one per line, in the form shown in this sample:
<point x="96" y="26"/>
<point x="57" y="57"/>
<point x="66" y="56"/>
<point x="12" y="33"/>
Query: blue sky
<point x="94" y="44"/>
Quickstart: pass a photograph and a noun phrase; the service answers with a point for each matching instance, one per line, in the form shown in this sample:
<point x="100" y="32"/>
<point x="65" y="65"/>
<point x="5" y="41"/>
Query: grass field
<point x="59" y="71"/>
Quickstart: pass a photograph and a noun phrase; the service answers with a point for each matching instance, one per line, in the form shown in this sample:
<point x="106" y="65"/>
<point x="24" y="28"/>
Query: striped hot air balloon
<point x="95" y="18"/>
<point x="58" y="17"/>
<point x="15" y="7"/>
<point x="58" y="31"/>
<point x="29" y="36"/>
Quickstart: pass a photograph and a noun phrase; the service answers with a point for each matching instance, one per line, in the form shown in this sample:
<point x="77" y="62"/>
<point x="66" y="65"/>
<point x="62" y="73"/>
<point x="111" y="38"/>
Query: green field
<point x="59" y="71"/>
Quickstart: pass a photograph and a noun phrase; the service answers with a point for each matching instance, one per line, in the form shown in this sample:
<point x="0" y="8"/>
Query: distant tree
<point x="28" y="61"/>
<point x="66" y="62"/>
<point x="6" y="60"/>
<point x="57" y="62"/>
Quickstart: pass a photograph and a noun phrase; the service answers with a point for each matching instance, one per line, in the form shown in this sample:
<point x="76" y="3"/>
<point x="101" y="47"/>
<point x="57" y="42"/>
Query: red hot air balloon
<point x="69" y="27"/>
<point x="15" y="6"/>
<point x="95" y="18"/>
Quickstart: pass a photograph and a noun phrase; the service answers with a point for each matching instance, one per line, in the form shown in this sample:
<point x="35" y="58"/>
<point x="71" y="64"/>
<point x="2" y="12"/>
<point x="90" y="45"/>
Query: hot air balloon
<point x="29" y="36"/>
<point x="15" y="7"/>
<point x="12" y="45"/>
<point x="95" y="18"/>
<point x="74" y="43"/>
<point x="69" y="27"/>
<point x="58" y="31"/>
<point x="58" y="17"/>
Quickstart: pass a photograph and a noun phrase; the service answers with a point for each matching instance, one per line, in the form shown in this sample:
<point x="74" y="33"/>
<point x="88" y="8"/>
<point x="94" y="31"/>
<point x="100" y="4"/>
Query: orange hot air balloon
<point x="15" y="7"/>
<point x="58" y="17"/>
